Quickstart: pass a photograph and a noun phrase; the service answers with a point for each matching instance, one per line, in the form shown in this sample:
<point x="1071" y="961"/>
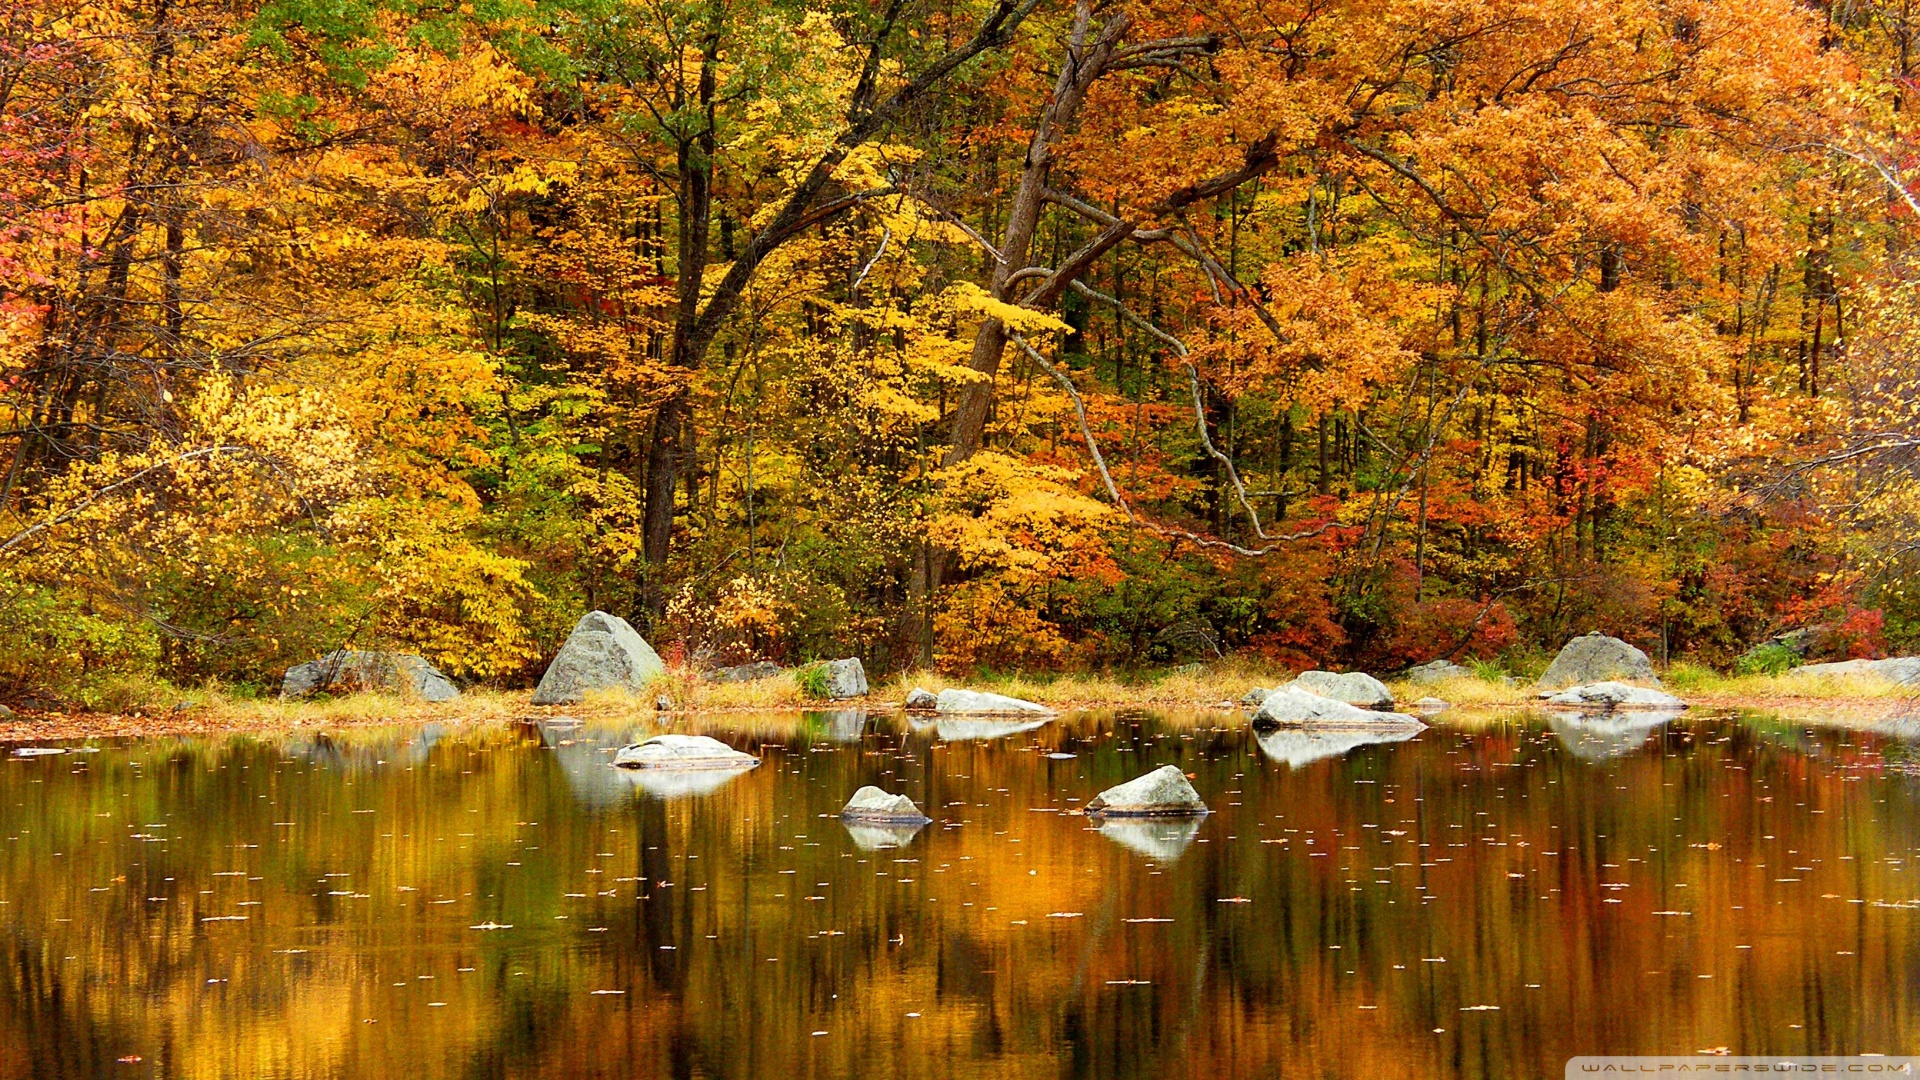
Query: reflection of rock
<point x="846" y="678"/>
<point x="1593" y="658"/>
<point x="964" y="730"/>
<point x="1615" y="695"/>
<point x="1164" y="839"/>
<point x="1432" y="705"/>
<point x="979" y="701"/>
<point x="603" y="652"/>
<point x="1904" y="728"/>
<point x="920" y="700"/>
<point x="873" y="806"/>
<point x="682" y="752"/>
<point x="350" y="671"/>
<point x="1601" y="736"/>
<point x="1164" y="792"/>
<point x="1353" y="687"/>
<point x="676" y="783"/>
<point x="869" y="837"/>
<point x="842" y="725"/>
<point x="1303" y="745"/>
<point x="1292" y="705"/>
<point x="358" y="754"/>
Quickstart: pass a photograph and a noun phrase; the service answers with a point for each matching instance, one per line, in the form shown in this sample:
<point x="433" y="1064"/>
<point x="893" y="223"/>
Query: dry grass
<point x="152" y="711"/>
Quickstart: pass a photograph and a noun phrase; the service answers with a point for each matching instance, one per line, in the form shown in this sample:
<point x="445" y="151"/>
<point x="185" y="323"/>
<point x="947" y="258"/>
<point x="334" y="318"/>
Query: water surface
<point x="498" y="901"/>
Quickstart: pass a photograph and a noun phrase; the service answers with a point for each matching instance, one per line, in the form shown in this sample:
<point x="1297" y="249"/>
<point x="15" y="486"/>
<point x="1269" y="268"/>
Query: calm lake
<point x="499" y="901"/>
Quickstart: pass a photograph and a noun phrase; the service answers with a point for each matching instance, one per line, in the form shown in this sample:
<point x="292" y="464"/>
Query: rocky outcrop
<point x="919" y="700"/>
<point x="350" y="671"/>
<point x="682" y="752"/>
<point x="872" y="806"/>
<point x="1292" y="705"/>
<point x="604" y="652"/>
<point x="1353" y="687"/>
<point x="846" y="678"/>
<point x="1436" y="671"/>
<point x="1164" y="792"/>
<point x="754" y="672"/>
<point x="1595" y="658"/>
<point x="979" y="701"/>
<point x="1900" y="669"/>
<point x="1615" y="695"/>
<point x="1253" y="698"/>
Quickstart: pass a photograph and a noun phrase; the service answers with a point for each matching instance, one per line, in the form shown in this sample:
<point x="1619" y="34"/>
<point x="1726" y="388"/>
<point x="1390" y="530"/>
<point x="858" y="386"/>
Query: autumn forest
<point x="980" y="335"/>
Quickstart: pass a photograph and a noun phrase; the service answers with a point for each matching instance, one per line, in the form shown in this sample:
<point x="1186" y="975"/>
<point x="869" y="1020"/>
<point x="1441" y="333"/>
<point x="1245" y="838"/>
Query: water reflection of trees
<point x="1497" y="852"/>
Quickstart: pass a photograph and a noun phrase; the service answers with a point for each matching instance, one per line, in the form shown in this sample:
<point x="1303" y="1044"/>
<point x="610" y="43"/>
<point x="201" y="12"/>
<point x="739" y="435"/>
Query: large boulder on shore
<point x="1436" y="671"/>
<point x="1900" y="669"/>
<point x="1353" y="687"/>
<point x="350" y="671"/>
<point x="754" y="672"/>
<point x="875" y="806"/>
<point x="1164" y="792"/>
<point x="1291" y="705"/>
<point x="682" y="752"/>
<point x="604" y="652"/>
<point x="1596" y="658"/>
<point x="979" y="701"/>
<point x="846" y="678"/>
<point x="1616" y="695"/>
<point x="920" y="699"/>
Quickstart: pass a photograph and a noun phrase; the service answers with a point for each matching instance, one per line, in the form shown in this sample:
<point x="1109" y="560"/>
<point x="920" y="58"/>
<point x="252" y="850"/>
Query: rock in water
<point x="979" y="701"/>
<point x="1353" y="687"/>
<point x="1899" y="669"/>
<point x="754" y="672"/>
<point x="919" y="700"/>
<point x="1613" y="695"/>
<point x="1436" y="671"/>
<point x="846" y="678"/>
<point x="602" y="653"/>
<point x="682" y="752"/>
<point x="1292" y="705"/>
<point x="876" y="807"/>
<point x="350" y="671"/>
<point x="1164" y="792"/>
<point x="1594" y="658"/>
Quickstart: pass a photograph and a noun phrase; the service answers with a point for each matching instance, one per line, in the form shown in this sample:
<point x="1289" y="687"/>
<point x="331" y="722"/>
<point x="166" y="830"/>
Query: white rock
<point x="682" y="752"/>
<point x="1900" y="669"/>
<point x="871" y="804"/>
<point x="846" y="678"/>
<point x="1353" y="687"/>
<point x="1612" y="695"/>
<point x="603" y="652"/>
<point x="1437" y="671"/>
<point x="1164" y="792"/>
<point x="1252" y="698"/>
<point x="1593" y="658"/>
<point x="1292" y="705"/>
<point x="919" y="700"/>
<point x="979" y="701"/>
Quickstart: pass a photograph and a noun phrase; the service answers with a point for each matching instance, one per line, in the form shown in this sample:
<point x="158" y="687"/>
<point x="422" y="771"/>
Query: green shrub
<point x="1771" y="658"/>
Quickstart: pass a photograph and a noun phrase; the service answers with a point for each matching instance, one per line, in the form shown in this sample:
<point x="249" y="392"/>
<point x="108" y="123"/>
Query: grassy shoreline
<point x="1850" y="700"/>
